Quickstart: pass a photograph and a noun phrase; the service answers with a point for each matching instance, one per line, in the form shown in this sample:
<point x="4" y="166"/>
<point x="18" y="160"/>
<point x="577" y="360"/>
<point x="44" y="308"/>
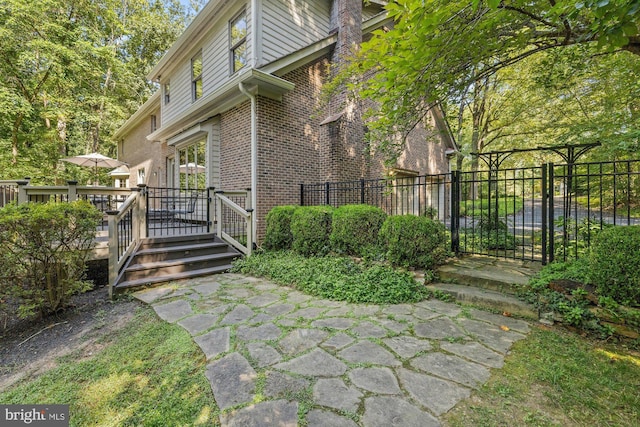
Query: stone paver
<point x="174" y="310"/>
<point x="334" y="393"/>
<point x="214" y="343"/>
<point x="232" y="379"/>
<point x="351" y="364"/>
<point x="279" y="413"/>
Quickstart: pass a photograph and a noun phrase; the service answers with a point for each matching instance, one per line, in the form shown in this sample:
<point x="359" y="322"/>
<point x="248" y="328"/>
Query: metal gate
<point x="537" y="213"/>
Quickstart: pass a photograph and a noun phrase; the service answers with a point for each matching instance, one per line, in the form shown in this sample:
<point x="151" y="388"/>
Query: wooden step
<point x="149" y="281"/>
<point x="179" y="240"/>
<point x="174" y="266"/>
<point x="163" y="253"/>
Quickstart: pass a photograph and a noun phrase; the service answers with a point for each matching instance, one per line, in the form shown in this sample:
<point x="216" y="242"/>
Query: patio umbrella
<point x="192" y="168"/>
<point x="95" y="160"/>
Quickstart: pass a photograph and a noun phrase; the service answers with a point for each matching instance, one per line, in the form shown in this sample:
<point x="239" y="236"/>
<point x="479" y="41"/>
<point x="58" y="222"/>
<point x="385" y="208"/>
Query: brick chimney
<point x="345" y="160"/>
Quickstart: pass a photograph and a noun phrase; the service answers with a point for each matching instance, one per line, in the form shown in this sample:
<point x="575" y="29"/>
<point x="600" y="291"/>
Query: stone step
<point x="489" y="299"/>
<point x="495" y="274"/>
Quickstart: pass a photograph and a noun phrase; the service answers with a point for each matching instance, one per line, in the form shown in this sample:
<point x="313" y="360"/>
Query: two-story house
<point x="239" y="104"/>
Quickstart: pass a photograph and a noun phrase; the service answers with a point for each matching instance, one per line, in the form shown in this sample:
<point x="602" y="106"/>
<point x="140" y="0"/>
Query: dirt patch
<point x="32" y="348"/>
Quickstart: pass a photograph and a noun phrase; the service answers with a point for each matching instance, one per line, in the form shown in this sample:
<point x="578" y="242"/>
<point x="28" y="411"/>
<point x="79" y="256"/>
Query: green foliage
<point x="335" y="278"/>
<point x="493" y="233"/>
<point x="278" y="234"/>
<point x="355" y="229"/>
<point x="43" y="253"/>
<point x="614" y="264"/>
<point x="576" y="241"/>
<point x="449" y="52"/>
<point x="573" y="308"/>
<point x="311" y="228"/>
<point x="414" y="241"/>
<point x="70" y="75"/>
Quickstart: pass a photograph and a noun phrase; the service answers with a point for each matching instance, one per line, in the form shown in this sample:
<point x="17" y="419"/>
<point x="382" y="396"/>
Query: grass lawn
<point x="557" y="378"/>
<point x="149" y="373"/>
<point x="506" y="206"/>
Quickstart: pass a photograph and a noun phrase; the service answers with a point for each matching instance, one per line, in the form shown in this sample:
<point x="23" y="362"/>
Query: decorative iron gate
<point x="538" y="213"/>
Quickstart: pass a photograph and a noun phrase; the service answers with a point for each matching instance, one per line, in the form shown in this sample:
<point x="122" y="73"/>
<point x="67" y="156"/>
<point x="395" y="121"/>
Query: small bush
<point x="335" y="278"/>
<point x="43" y="253"/>
<point x="494" y="234"/>
<point x="355" y="228"/>
<point x="278" y="234"/>
<point x="311" y="228"/>
<point x="414" y="241"/>
<point x="614" y="264"/>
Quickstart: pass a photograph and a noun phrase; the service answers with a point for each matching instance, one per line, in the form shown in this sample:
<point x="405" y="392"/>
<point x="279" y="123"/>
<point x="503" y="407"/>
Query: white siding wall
<point x="289" y="25"/>
<point x="215" y="65"/>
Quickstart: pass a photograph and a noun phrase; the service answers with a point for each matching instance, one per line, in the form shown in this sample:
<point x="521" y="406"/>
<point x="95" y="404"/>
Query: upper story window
<point x="166" y="88"/>
<point x="238" y="41"/>
<point x="196" y="76"/>
<point x="154" y="123"/>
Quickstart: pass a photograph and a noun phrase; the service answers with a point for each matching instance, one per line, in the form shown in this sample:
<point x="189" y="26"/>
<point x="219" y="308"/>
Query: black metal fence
<point x="175" y="211"/>
<point x="538" y="213"/>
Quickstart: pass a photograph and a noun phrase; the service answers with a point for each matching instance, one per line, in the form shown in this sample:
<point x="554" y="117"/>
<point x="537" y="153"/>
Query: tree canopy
<point x="71" y="71"/>
<point x="455" y="52"/>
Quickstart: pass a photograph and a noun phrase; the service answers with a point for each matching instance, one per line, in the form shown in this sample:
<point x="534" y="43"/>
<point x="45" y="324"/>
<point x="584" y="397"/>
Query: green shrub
<point x="614" y="264"/>
<point x="414" y="241"/>
<point x="43" y="253"/>
<point x="494" y="234"/>
<point x="278" y="234"/>
<point x="355" y="228"/>
<point x="335" y="278"/>
<point x="311" y="228"/>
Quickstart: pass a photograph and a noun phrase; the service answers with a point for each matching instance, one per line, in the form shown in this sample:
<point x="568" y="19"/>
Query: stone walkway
<point x="329" y="363"/>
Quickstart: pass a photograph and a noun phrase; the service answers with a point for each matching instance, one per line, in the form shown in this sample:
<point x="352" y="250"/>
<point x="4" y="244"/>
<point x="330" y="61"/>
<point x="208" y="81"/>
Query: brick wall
<point x="140" y="153"/>
<point x="291" y="141"/>
<point x="235" y="147"/>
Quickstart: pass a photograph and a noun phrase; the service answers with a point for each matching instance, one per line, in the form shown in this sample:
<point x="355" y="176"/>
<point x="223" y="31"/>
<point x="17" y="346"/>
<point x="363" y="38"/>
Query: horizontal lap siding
<point x="288" y="26"/>
<point x="215" y="66"/>
<point x="180" y="97"/>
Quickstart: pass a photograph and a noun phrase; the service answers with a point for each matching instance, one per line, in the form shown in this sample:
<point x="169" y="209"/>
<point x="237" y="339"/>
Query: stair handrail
<point x="245" y="213"/>
<point x="126" y="229"/>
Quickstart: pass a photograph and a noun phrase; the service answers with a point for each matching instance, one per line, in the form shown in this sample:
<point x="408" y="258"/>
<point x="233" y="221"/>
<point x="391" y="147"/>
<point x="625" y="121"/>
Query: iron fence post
<point x="545" y="207"/>
<point x="455" y="212"/>
<point x="551" y="214"/>
<point x="362" y="191"/>
<point x="301" y="194"/>
<point x="326" y="193"/>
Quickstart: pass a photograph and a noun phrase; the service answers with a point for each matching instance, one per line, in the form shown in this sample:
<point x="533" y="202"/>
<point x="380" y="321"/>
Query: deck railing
<point x="126" y="229"/>
<point x="233" y="217"/>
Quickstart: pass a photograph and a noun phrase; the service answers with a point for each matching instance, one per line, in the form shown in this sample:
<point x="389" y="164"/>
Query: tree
<point x="71" y="71"/>
<point x="441" y="50"/>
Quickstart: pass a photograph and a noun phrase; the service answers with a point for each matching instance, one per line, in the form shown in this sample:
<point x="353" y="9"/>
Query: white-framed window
<point x="196" y="76"/>
<point x="166" y="90"/>
<point x="141" y="176"/>
<point x="192" y="166"/>
<point x="238" y="42"/>
<point x="154" y="123"/>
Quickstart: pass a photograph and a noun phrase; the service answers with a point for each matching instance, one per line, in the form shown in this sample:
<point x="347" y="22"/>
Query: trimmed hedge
<point x="278" y="234"/>
<point x="355" y="229"/>
<point x="614" y="264"/>
<point x="413" y="241"/>
<point x="311" y="228"/>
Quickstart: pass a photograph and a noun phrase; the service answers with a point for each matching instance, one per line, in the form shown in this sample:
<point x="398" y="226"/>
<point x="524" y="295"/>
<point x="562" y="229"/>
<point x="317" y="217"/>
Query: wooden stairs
<point x="164" y="259"/>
